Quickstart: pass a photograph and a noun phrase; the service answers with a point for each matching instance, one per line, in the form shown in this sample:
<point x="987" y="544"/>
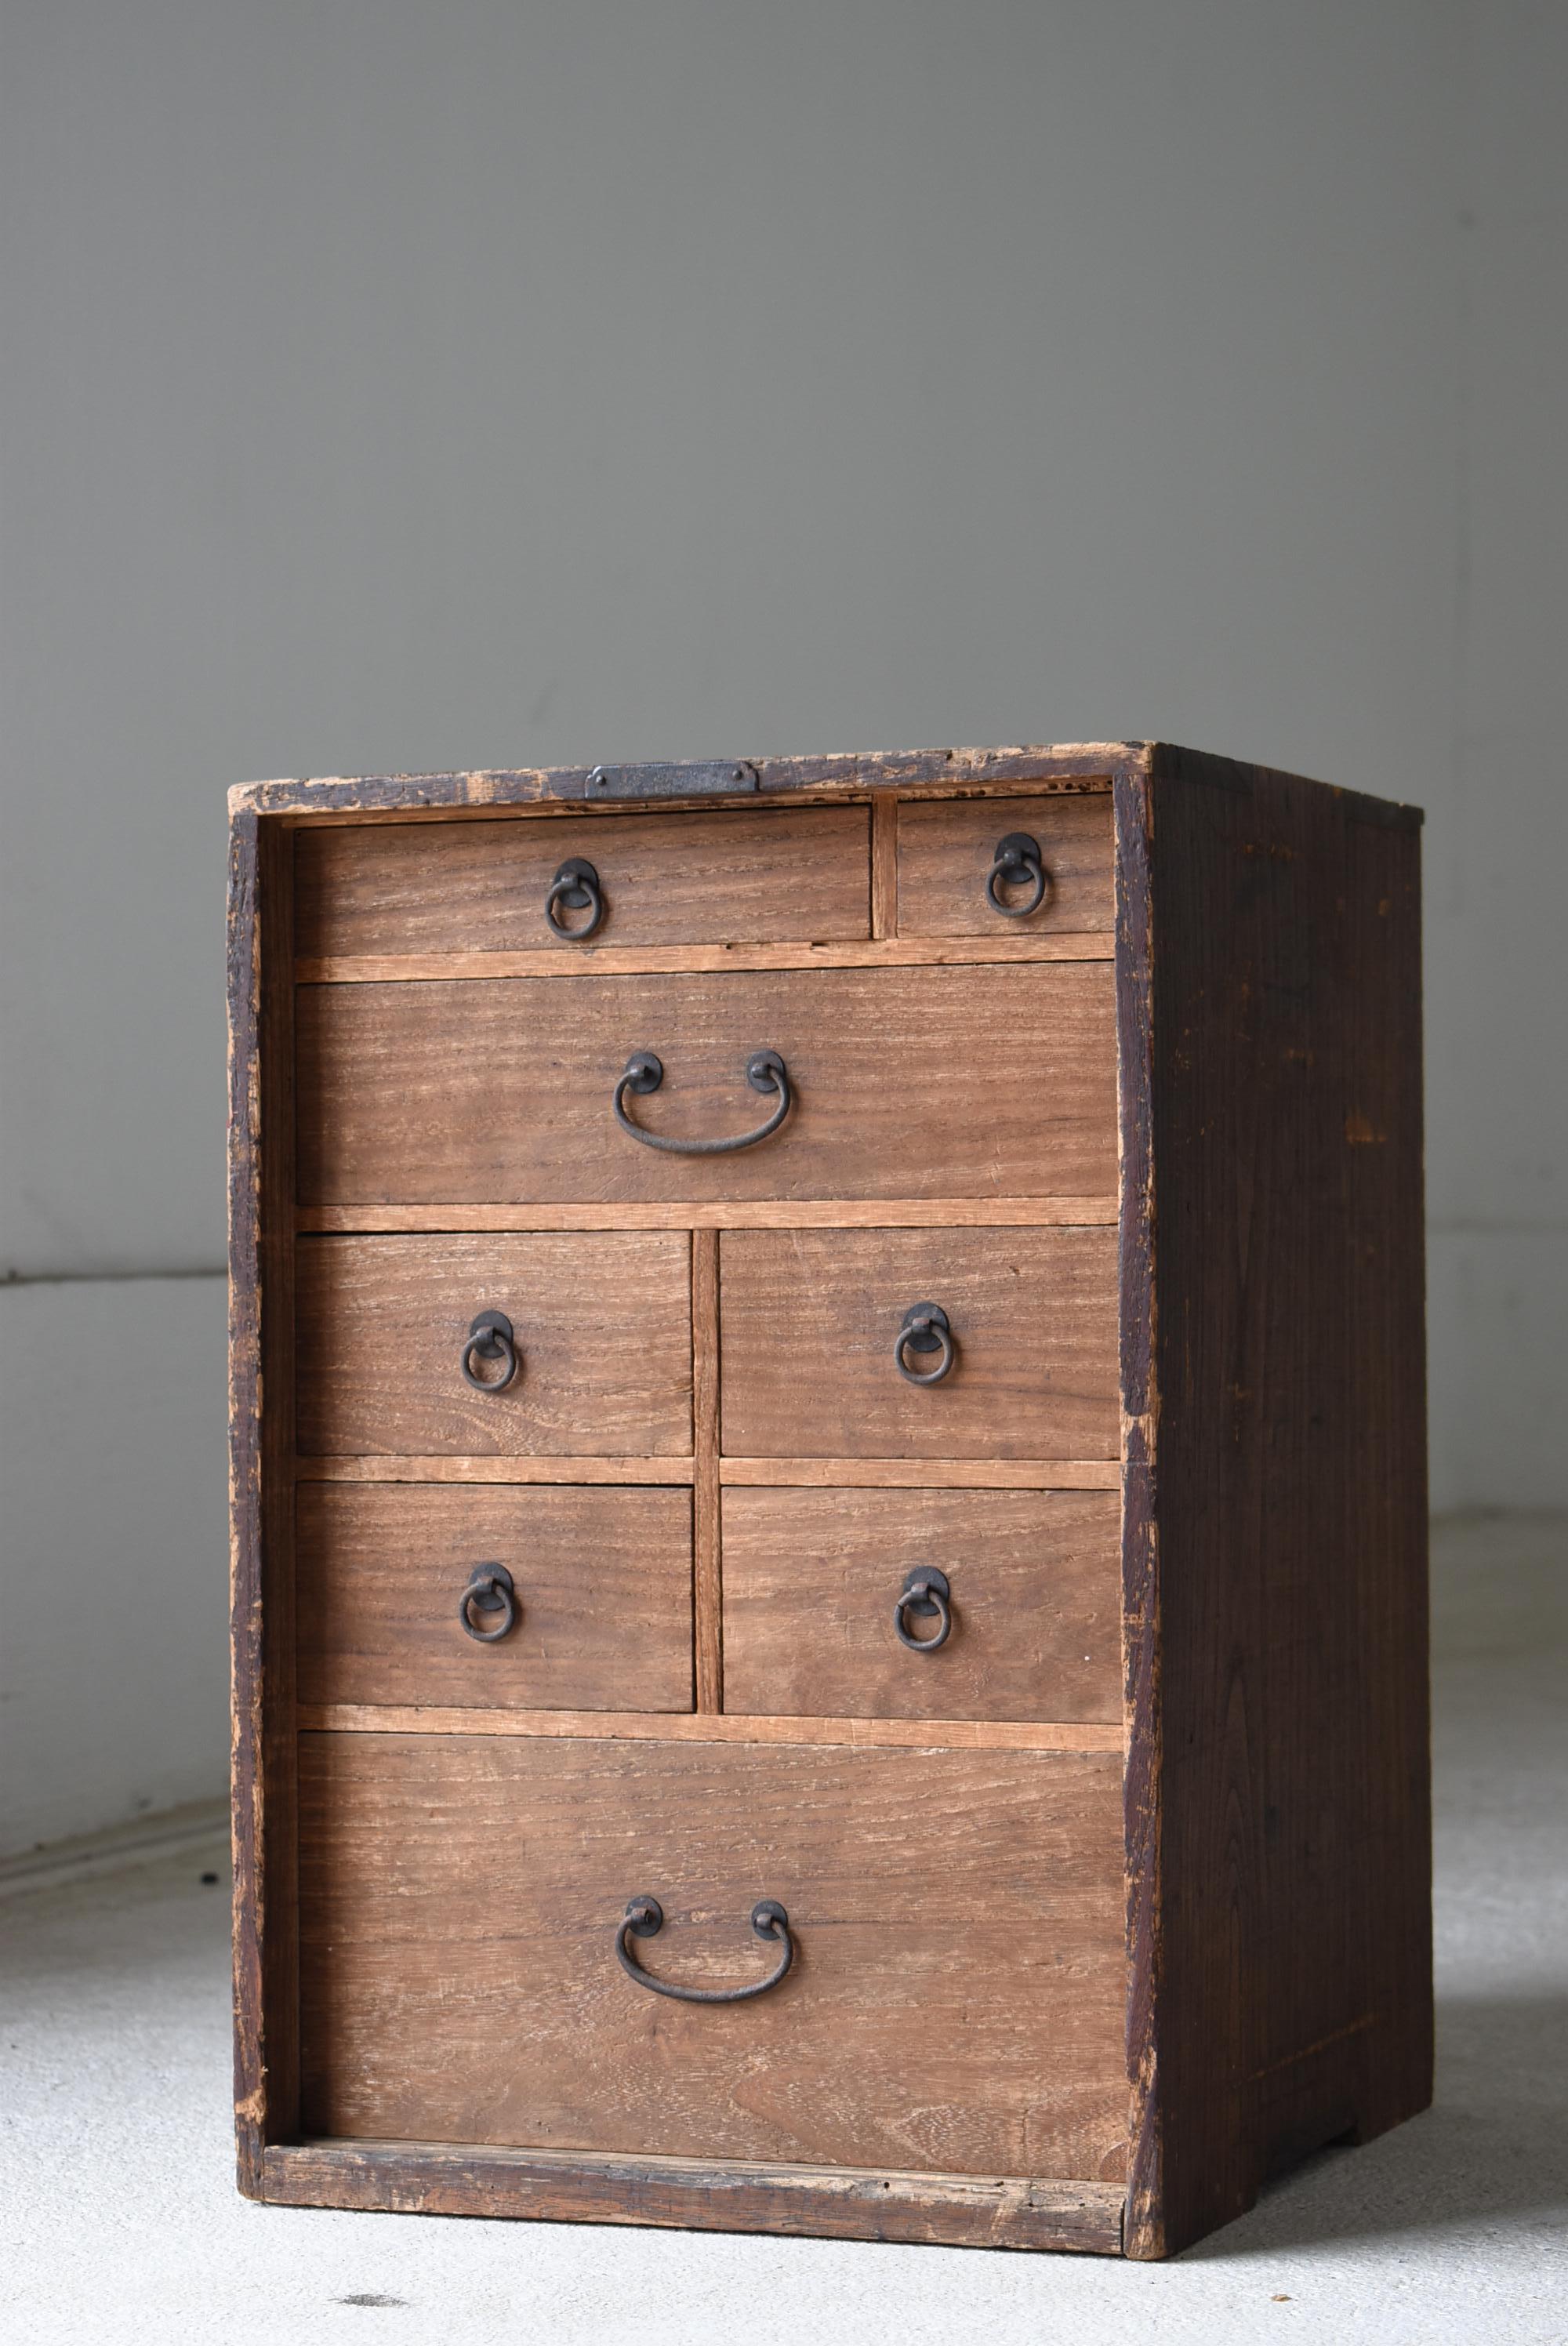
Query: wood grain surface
<point x="698" y="2195"/>
<point x="956" y="2004"/>
<point x="719" y="1214"/>
<point x="809" y="1319"/>
<point x="716" y="1726"/>
<point x="603" y="1325"/>
<point x="602" y="1582"/>
<point x="666" y="879"/>
<point x="908" y="1083"/>
<point x="1286" y="1979"/>
<point x="811" y="1577"/>
<point x="947" y="847"/>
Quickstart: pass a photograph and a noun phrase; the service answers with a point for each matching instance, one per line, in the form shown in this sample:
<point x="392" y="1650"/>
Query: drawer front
<point x="956" y="2005"/>
<point x="595" y="1614"/>
<point x="813" y="1581"/>
<point x="906" y="1083"/>
<point x="949" y="852"/>
<point x="753" y="877"/>
<point x="602" y="1331"/>
<point x="810" y="1319"/>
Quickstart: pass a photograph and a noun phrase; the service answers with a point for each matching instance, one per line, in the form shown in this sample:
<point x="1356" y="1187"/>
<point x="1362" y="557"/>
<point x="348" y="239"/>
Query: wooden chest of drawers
<point x="829" y="1492"/>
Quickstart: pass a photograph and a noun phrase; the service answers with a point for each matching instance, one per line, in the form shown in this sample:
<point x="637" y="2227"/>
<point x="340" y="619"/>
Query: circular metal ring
<point x="925" y="1591"/>
<point x="1017" y="860"/>
<point x="924" y="1329"/>
<point x="576" y="886"/>
<point x="491" y="1338"/>
<point x="489" y="1591"/>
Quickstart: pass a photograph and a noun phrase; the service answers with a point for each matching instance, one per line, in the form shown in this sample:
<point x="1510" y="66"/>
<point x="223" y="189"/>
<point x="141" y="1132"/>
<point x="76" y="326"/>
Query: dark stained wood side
<point x="590" y="2188"/>
<point x="1291" y="1962"/>
<point x="1140" y="1550"/>
<point x="260" y="1342"/>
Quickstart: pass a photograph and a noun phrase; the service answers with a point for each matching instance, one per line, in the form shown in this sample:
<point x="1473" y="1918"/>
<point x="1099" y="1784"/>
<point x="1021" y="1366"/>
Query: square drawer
<point x="594" y="1613"/>
<point x="905" y="1082"/>
<point x="813" y="1587"/>
<point x="810" y="1321"/>
<point x="758" y="876"/>
<point x="954" y="880"/>
<point x="955" y="2002"/>
<point x="602" y="1336"/>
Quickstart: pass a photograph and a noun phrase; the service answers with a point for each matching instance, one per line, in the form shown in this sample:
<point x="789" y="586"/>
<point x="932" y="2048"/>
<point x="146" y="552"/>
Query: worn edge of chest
<point x="1199" y="2148"/>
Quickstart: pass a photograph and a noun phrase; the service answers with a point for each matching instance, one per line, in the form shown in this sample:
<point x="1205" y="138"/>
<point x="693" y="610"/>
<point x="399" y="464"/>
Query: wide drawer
<point x="956" y="2002"/>
<point x="955" y="881"/>
<point x="812" y="1321"/>
<point x="399" y="1600"/>
<point x="601" y="1330"/>
<point x="973" y="1082"/>
<point x="756" y="877"/>
<point x="814" y="1584"/>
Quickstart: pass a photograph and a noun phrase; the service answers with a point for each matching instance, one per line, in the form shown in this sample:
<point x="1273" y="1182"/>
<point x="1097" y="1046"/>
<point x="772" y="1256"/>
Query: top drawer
<point x="996" y="867"/>
<point x="755" y="876"/>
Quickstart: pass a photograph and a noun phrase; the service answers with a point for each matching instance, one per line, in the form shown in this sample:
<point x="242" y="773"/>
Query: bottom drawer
<point x="955" y="2004"/>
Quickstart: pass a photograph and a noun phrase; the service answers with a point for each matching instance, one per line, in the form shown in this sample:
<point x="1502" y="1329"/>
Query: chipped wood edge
<point x="600" y="2187"/>
<point x="1073" y="766"/>
<point x="1145" y="2222"/>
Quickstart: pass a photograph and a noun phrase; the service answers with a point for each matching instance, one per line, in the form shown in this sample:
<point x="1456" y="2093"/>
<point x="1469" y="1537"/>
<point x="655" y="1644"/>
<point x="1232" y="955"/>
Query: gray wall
<point x="396" y="384"/>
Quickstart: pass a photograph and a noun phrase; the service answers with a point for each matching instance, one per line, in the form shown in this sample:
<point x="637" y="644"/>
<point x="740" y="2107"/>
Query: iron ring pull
<point x="644" y="1919"/>
<point x="765" y="1072"/>
<point x="491" y="1338"/>
<point x="489" y="1590"/>
<point x="924" y="1592"/>
<point x="576" y="887"/>
<point x="1018" y="860"/>
<point x="924" y="1329"/>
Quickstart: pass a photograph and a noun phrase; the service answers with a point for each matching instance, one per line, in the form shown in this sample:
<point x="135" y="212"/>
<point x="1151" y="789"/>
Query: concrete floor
<point x="121" y="2222"/>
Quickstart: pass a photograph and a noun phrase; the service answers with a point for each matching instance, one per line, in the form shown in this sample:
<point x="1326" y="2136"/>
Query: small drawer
<point x="814" y="1331"/>
<point x="902" y="1082"/>
<point x="756" y="877"/>
<point x="400" y="1352"/>
<point x="400" y="1598"/>
<point x="1000" y="867"/>
<point x="955" y="2002"/>
<point x="1026" y="1623"/>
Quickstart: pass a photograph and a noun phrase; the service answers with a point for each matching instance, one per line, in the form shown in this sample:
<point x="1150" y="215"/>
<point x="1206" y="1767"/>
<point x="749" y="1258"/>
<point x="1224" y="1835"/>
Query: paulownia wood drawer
<point x="810" y="1320"/>
<point x="600" y="1609"/>
<point x="947" y="852"/>
<point x="973" y="1082"/>
<point x="602" y="1327"/>
<point x="757" y="876"/>
<point x="956" y="2002"/>
<point x="813" y="1580"/>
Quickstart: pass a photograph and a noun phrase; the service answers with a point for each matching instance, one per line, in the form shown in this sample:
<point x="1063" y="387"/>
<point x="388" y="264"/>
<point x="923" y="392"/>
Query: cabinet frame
<point x="1266" y="957"/>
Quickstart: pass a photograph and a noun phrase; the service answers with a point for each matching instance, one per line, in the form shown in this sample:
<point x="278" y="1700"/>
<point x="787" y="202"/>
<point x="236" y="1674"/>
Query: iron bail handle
<point x="765" y="1072"/>
<point x="924" y="1592"/>
<point x="925" y="1329"/>
<point x="489" y="1590"/>
<point x="644" y="1919"/>
<point x="1017" y="864"/>
<point x="491" y="1338"/>
<point x="576" y="887"/>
